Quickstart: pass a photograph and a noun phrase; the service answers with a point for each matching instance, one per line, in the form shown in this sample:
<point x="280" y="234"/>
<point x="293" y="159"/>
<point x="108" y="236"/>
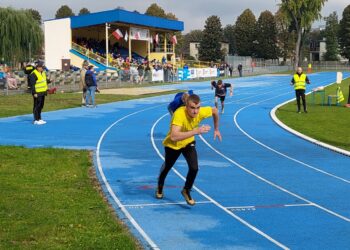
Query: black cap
<point x="40" y="64"/>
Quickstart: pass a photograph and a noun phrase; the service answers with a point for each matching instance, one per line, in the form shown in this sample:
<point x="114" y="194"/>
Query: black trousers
<point x="171" y="155"/>
<point x="38" y="106"/>
<point x="300" y="93"/>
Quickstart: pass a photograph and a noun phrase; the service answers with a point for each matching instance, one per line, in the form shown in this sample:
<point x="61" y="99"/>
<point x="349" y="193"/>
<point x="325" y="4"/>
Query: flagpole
<point x="107" y="49"/>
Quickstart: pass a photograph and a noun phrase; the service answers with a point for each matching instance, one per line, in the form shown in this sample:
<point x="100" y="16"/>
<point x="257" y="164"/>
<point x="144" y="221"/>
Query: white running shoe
<point x="40" y="122"/>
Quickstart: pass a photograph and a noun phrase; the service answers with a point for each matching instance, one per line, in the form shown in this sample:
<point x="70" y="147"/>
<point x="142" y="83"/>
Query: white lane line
<point x="273" y="184"/>
<point x="265" y="180"/>
<point x="211" y="199"/>
<point x="278" y="152"/>
<point x="110" y="190"/>
<point x="271" y="206"/>
<point x="305" y="137"/>
<point x="298" y="205"/>
<point x="164" y="204"/>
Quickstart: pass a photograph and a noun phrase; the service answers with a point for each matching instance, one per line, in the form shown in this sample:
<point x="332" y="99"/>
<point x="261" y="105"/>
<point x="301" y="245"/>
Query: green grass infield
<point x="329" y="124"/>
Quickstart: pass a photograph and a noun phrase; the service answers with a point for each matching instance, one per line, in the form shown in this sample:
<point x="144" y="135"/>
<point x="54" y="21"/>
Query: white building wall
<point x="323" y="49"/>
<point x="195" y="45"/>
<point x="58" y="42"/>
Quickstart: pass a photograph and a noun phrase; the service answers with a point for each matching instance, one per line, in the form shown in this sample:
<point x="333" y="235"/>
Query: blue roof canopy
<point x="123" y="16"/>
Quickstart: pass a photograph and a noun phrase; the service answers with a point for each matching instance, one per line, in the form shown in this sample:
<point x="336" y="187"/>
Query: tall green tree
<point x="302" y="13"/>
<point x="286" y="38"/>
<point x="210" y="47"/>
<point x="83" y="11"/>
<point x="331" y="34"/>
<point x="36" y="15"/>
<point x="229" y="37"/>
<point x="245" y="33"/>
<point x="266" y="42"/>
<point x="155" y="10"/>
<point x="344" y="33"/>
<point x="20" y="35"/>
<point x="64" y="11"/>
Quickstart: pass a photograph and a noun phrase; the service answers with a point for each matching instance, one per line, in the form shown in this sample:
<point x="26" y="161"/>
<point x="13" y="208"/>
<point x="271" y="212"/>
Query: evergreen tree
<point x="210" y="47"/>
<point x="35" y="14"/>
<point x="20" y="34"/>
<point x="344" y="33"/>
<point x="266" y="42"/>
<point x="229" y="37"/>
<point x="64" y="11"/>
<point x="245" y="35"/>
<point x="301" y="13"/>
<point x="331" y="34"/>
<point x="84" y="11"/>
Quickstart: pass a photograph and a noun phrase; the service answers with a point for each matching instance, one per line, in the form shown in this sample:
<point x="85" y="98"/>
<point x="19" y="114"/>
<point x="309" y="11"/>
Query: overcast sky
<point x="192" y="12"/>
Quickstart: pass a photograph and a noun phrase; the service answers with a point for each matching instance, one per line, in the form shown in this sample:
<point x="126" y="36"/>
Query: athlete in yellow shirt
<point x="180" y="140"/>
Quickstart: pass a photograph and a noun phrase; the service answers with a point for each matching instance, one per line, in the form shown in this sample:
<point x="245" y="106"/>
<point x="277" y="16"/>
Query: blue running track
<point x="260" y="188"/>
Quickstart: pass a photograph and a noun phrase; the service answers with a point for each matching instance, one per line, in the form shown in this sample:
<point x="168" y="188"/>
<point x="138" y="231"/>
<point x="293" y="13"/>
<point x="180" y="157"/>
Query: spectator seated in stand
<point x="2" y="79"/>
<point x="11" y="79"/>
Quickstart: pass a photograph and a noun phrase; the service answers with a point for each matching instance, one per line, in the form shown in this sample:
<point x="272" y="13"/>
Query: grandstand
<point x="74" y="39"/>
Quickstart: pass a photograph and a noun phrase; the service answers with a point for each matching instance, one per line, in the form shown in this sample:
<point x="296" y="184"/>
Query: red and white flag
<point x="117" y="34"/>
<point x="126" y="36"/>
<point x="174" y="39"/>
<point x="156" y="39"/>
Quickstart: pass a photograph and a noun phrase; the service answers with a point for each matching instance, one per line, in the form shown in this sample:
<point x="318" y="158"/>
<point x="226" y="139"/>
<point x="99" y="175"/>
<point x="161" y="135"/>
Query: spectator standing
<point x="91" y="85"/>
<point x="28" y="70"/>
<point x="82" y="84"/>
<point x="141" y="71"/>
<point x="240" y="69"/>
<point x="230" y="68"/>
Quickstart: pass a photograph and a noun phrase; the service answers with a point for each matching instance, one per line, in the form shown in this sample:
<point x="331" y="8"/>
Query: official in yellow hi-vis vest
<point x="38" y="84"/>
<point x="299" y="81"/>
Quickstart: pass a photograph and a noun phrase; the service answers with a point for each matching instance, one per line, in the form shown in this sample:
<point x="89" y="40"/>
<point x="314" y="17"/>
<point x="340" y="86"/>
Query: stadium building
<point x="69" y="41"/>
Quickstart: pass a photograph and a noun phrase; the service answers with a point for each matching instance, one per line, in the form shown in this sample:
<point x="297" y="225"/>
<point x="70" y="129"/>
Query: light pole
<point x="107" y="49"/>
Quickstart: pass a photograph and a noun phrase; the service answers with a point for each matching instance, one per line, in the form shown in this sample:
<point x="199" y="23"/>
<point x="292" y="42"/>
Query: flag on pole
<point x="340" y="96"/>
<point x="174" y="39"/>
<point x="126" y="36"/>
<point x="156" y="39"/>
<point x="117" y="34"/>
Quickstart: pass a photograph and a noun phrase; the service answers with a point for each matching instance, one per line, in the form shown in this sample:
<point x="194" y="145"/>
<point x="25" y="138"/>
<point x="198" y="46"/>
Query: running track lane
<point x="272" y="201"/>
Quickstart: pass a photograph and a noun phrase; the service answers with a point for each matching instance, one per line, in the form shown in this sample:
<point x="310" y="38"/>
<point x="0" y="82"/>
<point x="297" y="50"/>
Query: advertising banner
<point x="139" y="34"/>
<point x="157" y="75"/>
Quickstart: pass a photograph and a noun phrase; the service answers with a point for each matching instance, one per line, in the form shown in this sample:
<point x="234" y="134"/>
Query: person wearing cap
<point x="82" y="83"/>
<point x="28" y="69"/>
<point x="38" y="85"/>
